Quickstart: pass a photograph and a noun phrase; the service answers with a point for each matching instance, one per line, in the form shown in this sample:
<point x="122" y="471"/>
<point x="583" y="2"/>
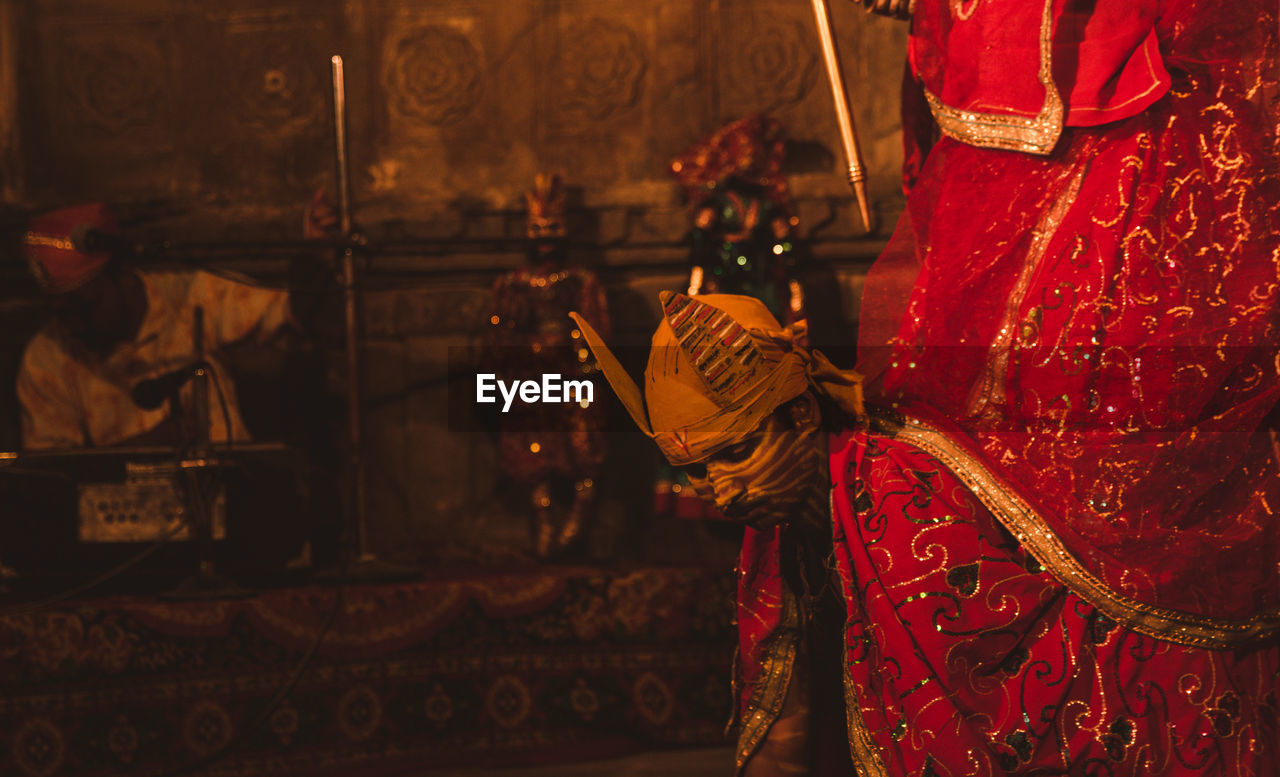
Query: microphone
<point x="151" y="393"/>
<point x="90" y="240"/>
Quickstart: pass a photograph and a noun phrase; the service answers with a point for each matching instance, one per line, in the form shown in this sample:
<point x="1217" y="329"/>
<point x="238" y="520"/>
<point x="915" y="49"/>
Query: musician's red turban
<point x="49" y="246"/>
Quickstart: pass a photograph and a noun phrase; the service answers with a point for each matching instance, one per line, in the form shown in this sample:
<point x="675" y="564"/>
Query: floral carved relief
<point x="602" y="68"/>
<point x="274" y="80"/>
<point x="768" y="63"/>
<point x="111" y="82"/>
<point x="435" y="74"/>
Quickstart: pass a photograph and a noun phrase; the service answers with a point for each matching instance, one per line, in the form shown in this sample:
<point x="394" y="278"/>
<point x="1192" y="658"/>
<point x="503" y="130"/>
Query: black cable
<point x="145" y="553"/>
<point x="92" y="583"/>
<point x="308" y="656"/>
<point x="142" y="555"/>
<point x="340" y="595"/>
<point x="258" y="720"/>
<point x="222" y="403"/>
<point x="104" y="577"/>
<point x="274" y="702"/>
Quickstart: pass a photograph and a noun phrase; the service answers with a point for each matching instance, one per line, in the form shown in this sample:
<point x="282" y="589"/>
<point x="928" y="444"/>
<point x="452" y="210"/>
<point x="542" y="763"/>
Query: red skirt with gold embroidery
<point x="965" y="657"/>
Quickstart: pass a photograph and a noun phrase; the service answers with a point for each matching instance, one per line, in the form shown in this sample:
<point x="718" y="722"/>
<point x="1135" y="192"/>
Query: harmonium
<point x="67" y="516"/>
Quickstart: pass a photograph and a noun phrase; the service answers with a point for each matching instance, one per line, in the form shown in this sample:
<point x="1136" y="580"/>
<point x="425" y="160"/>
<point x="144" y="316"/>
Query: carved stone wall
<point x="198" y="114"/>
<point x="212" y="122"/>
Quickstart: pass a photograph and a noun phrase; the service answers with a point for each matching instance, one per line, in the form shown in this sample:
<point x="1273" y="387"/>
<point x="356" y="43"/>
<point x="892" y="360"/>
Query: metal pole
<point x="857" y="172"/>
<point x="200" y="388"/>
<point x="198" y="465"/>
<point x="340" y="145"/>
<point x="199" y="454"/>
<point x="351" y="304"/>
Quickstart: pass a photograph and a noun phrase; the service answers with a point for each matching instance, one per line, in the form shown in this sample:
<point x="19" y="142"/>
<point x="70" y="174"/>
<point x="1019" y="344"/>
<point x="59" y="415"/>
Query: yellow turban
<point x="719" y="364"/>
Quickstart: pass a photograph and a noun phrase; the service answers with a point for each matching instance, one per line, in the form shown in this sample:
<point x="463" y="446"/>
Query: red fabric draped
<point x="1090" y="341"/>
<point x="986" y="57"/>
<point x="965" y="657"/>
<point x="1100" y="324"/>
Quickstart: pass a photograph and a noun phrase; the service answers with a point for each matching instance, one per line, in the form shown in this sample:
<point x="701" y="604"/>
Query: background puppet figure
<point x="552" y="451"/>
<point x="743" y="229"/>
<point x="742" y="241"/>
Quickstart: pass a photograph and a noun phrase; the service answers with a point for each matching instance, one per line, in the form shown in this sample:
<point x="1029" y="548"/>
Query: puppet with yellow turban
<point x="732" y="399"/>
<point x="894" y="620"/>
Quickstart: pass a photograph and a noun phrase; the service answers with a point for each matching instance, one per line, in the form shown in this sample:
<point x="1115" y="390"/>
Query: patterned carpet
<point x="553" y="666"/>
<point x="702" y="762"/>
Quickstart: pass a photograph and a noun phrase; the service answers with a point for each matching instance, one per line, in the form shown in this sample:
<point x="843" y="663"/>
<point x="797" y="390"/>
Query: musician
<point x="115" y="326"/>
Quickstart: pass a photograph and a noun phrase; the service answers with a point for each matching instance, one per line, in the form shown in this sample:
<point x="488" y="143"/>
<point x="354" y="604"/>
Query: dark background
<point x="207" y="128"/>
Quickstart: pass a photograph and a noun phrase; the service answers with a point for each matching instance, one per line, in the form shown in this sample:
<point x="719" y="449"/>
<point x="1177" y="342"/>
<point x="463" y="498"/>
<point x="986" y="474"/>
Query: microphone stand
<point x="357" y="562"/>
<point x="198" y="465"/>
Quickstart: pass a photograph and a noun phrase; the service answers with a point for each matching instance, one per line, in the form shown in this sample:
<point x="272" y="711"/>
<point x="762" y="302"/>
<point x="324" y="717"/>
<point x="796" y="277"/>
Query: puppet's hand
<point x="321" y="218"/>
<point x="897" y="9"/>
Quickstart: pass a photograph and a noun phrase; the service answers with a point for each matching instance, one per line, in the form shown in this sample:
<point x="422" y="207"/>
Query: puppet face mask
<point x="546" y="201"/>
<point x="729" y="394"/>
<point x="770" y="476"/>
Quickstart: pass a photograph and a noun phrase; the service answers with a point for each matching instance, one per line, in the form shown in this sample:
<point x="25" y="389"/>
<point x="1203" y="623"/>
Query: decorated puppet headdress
<point x="719" y="364"/>
<point x="751" y="149"/>
<point x="49" y="246"/>
<point x="546" y="207"/>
